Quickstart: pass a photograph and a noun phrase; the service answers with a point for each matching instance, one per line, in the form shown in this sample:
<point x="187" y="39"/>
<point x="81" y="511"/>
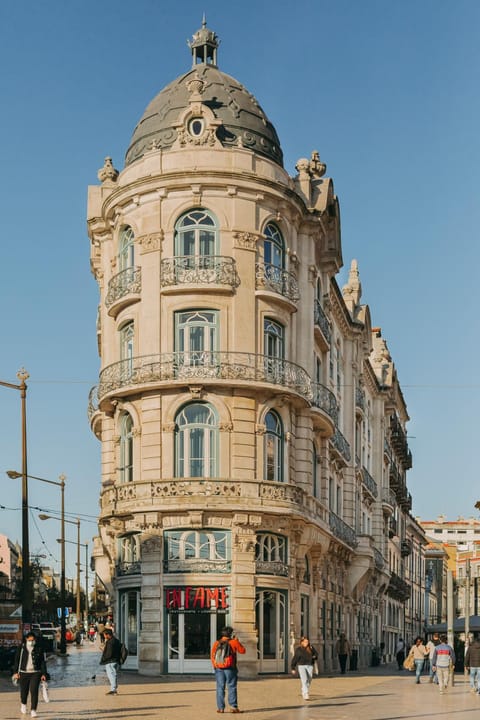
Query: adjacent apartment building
<point x="252" y="425"/>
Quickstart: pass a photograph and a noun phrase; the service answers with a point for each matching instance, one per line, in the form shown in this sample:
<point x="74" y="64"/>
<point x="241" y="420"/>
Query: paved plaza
<point x="78" y="688"/>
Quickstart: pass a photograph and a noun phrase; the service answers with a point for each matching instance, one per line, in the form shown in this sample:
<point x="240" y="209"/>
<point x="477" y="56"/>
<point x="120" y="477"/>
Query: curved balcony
<point x="369" y="483"/>
<point x="388" y="501"/>
<point x="211" y="273"/>
<point x="247" y="495"/>
<point x="217" y="368"/>
<point x="272" y="279"/>
<point x="322" y="328"/>
<point x="341" y="446"/>
<point x="325" y="408"/>
<point x="342" y="531"/>
<point x="123" y="289"/>
<point x="93" y="411"/>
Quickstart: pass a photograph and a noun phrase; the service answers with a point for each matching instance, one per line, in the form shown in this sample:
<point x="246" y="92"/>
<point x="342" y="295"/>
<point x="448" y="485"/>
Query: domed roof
<point x="242" y="121"/>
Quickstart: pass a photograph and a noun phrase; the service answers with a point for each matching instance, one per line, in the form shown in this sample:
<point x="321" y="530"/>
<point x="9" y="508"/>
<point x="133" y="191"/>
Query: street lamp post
<point x="63" y="541"/>
<point x="14" y="474"/>
<point x="23" y="375"/>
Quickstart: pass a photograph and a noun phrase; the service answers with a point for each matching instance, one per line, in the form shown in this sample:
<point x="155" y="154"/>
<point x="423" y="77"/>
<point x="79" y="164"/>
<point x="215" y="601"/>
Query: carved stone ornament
<point x="225" y="427"/>
<point x="169" y="427"/>
<point x="151" y="242"/>
<point x="260" y="429"/>
<point x="136" y="432"/>
<point x="196" y="87"/>
<point x="107" y="173"/>
<point x="196" y="391"/>
<point x="245" y="240"/>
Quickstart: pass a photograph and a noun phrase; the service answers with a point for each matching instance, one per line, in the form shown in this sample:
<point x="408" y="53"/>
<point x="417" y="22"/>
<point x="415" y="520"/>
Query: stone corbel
<point x="260" y="429"/>
<point x="196" y="392"/>
<point x="225" y="427"/>
<point x="245" y="240"/>
<point x="169" y="427"/>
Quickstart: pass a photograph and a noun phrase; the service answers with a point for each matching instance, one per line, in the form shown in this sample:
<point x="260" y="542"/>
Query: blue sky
<point x="386" y="91"/>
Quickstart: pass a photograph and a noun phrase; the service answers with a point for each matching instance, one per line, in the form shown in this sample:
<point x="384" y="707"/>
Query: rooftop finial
<point x="204" y="45"/>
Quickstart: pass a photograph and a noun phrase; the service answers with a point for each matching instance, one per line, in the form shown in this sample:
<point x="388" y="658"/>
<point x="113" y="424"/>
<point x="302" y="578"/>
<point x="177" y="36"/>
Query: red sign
<point x="196" y="598"/>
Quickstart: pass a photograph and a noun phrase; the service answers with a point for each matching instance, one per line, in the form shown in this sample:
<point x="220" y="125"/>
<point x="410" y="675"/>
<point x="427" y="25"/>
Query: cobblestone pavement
<point x="78" y="688"/>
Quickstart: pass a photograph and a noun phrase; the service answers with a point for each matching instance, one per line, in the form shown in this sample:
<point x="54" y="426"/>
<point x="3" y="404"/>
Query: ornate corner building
<point x="252" y="426"/>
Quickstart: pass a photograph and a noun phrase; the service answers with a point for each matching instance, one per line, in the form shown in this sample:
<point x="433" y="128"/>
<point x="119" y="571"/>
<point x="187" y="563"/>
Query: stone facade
<point x="251" y="422"/>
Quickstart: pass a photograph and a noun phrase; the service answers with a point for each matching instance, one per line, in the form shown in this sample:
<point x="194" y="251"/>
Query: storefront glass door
<point x="129" y="625"/>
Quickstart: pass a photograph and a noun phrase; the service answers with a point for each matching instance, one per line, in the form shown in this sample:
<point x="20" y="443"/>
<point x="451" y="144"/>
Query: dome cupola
<point x="237" y="118"/>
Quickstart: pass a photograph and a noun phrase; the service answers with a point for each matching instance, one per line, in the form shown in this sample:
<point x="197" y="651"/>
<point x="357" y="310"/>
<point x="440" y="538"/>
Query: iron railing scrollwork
<point x="321" y="320"/>
<point x="265" y="567"/>
<point x="203" y="365"/>
<point x="277" y="280"/>
<point x="92" y="402"/>
<point x="126" y="282"/>
<point x="199" y="270"/>
<point x="341" y="445"/>
<point x="343" y="531"/>
<point x="378" y="559"/>
<point x="369" y="482"/>
<point x="325" y="400"/>
<point x="360" y="398"/>
<point x="128" y="568"/>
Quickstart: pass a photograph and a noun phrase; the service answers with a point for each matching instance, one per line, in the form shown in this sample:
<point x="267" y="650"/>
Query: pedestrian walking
<point x="342" y="648"/>
<point x="111" y="659"/>
<point x="472" y="663"/>
<point x="443" y="658"/>
<point x="224" y="660"/>
<point x="419" y="653"/>
<point x="29" y="669"/>
<point x="400" y="653"/>
<point x="303" y="661"/>
<point x="431" y="645"/>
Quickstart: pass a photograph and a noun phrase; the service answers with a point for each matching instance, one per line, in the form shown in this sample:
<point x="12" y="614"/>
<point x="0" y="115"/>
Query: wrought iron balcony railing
<point x="388" y="497"/>
<point x="264" y="567"/>
<point x="92" y="402"/>
<point x="341" y="445"/>
<point x="128" y="568"/>
<point x="273" y="278"/>
<point x="127" y="282"/>
<point x="325" y="400"/>
<point x="378" y="558"/>
<point x="343" y="531"/>
<point x="204" y="365"/>
<point x="199" y="270"/>
<point x="360" y="398"/>
<point x="369" y="482"/>
<point x="321" y="320"/>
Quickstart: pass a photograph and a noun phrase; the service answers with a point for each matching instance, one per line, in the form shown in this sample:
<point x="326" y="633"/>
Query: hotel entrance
<point x="195" y="616"/>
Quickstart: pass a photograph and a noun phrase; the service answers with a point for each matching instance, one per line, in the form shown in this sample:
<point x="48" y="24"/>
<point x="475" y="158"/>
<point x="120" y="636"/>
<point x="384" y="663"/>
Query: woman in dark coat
<point x="302" y="662"/>
<point x="29" y="669"/>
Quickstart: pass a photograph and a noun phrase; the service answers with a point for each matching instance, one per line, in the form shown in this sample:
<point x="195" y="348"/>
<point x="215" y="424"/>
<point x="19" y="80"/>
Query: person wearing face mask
<point x="29" y="669"/>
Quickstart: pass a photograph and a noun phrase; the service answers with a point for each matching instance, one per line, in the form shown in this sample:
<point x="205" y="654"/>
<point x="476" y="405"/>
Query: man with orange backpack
<point x="224" y="660"/>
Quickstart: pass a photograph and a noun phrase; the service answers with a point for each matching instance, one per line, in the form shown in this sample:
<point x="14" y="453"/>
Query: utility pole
<point x="450" y="616"/>
<point x="467" y="608"/>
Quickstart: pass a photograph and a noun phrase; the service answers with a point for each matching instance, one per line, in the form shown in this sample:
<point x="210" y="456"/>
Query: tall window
<point x="271" y="554"/>
<point x="196" y="234"/>
<point x="273" y="339"/>
<point x="196" y="438"/>
<point x="196" y="334"/>
<point x="126" y="448"/>
<point x="126" y="249"/>
<point x="273" y="450"/>
<point x="315" y="476"/>
<point x="126" y="347"/>
<point x="130" y="549"/>
<point x="274" y="247"/>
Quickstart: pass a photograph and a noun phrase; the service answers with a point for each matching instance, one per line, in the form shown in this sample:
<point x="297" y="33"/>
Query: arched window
<point x="196" y="234"/>
<point x="273" y="448"/>
<point x="129" y="549"/>
<point x="273" y="339"/>
<point x="271" y="554"/>
<point x="126" y="448"/>
<point x="197" y="551"/>
<point x="196" y="332"/>
<point x="274" y="247"/>
<point x="127" y="334"/>
<point x="126" y="249"/>
<point x="196" y="441"/>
